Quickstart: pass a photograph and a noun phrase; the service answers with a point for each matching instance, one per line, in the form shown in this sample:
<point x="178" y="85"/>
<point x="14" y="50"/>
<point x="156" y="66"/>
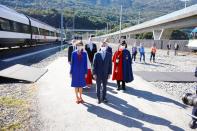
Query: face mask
<point x="79" y="48"/>
<point x="122" y="47"/>
<point x="103" y="48"/>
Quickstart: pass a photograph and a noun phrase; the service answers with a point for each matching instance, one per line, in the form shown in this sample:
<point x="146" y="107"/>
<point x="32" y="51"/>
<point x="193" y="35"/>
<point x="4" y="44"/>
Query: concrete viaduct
<point x="161" y="27"/>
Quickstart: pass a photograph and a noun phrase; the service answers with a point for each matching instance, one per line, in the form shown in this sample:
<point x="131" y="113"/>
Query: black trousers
<point x="98" y="88"/>
<point x="152" y="56"/>
<point x="123" y="84"/>
<point x="194" y="112"/>
<point x="134" y="56"/>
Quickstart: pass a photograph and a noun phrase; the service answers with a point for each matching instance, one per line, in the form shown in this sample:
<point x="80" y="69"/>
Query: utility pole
<point x="120" y="22"/>
<point x="73" y="22"/>
<point x="139" y="17"/>
<point x="186" y="3"/>
<point x="107" y="27"/>
<point x="62" y="28"/>
<point x="16" y="6"/>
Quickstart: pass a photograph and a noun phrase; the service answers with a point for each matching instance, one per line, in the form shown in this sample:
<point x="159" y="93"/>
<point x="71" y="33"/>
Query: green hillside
<point x="95" y="14"/>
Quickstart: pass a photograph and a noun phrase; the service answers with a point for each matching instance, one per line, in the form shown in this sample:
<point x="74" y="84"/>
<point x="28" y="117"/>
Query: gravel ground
<point x="18" y="102"/>
<point x="184" y="62"/>
<point x="17" y="112"/>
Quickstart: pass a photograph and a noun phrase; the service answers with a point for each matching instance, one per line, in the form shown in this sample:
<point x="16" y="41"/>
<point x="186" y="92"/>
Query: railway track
<point x="27" y="55"/>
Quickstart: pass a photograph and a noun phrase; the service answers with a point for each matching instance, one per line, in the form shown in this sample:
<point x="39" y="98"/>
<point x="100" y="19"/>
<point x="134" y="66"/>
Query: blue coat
<point x="78" y="69"/>
<point x="127" y="67"/>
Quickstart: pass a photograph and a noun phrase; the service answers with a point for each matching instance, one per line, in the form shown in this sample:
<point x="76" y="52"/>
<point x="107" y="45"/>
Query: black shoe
<point x="118" y="88"/>
<point x="192" y="124"/>
<point x="123" y="88"/>
<point x="105" y="100"/>
<point x="99" y="101"/>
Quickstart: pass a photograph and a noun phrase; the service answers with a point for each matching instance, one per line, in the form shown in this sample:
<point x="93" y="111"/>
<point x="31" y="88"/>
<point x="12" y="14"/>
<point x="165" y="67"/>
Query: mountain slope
<point x="96" y="12"/>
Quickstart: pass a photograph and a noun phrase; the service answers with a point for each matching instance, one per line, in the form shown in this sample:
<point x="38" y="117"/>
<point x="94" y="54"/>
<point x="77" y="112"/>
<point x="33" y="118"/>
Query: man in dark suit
<point x="71" y="48"/>
<point x="102" y="69"/>
<point x="109" y="49"/>
<point x="91" y="49"/>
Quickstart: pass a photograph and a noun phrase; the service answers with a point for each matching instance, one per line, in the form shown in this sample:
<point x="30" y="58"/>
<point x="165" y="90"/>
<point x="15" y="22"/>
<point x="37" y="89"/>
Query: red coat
<point x="117" y="70"/>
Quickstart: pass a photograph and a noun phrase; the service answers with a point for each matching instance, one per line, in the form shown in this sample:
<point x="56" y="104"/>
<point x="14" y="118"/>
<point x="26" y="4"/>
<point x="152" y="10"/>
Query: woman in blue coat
<point x="78" y="71"/>
<point x="127" y="64"/>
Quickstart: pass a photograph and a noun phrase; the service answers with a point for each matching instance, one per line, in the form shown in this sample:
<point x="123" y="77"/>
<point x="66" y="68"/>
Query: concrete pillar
<point x="157" y="34"/>
<point x="162" y="34"/>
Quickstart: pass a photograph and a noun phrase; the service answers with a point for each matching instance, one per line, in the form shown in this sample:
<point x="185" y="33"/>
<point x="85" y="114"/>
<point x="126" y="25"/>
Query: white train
<point x="17" y="29"/>
<point x="193" y="41"/>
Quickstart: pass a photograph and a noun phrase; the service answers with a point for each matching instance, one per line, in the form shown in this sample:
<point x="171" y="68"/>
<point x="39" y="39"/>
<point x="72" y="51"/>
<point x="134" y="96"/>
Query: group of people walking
<point x="176" y="48"/>
<point x="96" y="63"/>
<point x="142" y="53"/>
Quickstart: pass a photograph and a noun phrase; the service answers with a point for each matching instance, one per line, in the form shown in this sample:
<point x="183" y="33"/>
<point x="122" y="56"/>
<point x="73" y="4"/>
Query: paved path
<point x="167" y="76"/>
<point x="141" y="107"/>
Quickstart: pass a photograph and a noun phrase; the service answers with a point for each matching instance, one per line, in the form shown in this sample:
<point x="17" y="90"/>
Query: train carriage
<point x="17" y="29"/>
<point x="193" y="40"/>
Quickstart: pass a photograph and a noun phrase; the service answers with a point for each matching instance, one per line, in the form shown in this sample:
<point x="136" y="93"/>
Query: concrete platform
<point x="167" y="76"/>
<point x="22" y="72"/>
<point x="140" y="107"/>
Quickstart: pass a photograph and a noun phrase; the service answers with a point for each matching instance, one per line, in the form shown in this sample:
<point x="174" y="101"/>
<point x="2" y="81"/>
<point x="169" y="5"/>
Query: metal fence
<point x="160" y="44"/>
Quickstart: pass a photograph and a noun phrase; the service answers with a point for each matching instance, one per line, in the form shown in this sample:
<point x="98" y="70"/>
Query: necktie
<point x="103" y="55"/>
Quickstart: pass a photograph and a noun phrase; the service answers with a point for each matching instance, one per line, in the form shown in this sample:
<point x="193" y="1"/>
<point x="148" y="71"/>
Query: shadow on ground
<point x="148" y="95"/>
<point x="129" y="112"/>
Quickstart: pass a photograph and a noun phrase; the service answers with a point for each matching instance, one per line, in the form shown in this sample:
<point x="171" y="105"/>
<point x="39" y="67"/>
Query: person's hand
<point x="109" y="76"/>
<point x="95" y="77"/>
<point x="86" y="75"/>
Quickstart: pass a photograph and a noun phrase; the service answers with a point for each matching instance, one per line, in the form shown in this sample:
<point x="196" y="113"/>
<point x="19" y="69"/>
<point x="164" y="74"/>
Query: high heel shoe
<point x="82" y="101"/>
<point x="77" y="101"/>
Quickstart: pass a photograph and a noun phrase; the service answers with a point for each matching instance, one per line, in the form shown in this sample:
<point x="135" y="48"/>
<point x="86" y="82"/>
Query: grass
<point x="12" y="127"/>
<point x="11" y="102"/>
<point x="19" y="108"/>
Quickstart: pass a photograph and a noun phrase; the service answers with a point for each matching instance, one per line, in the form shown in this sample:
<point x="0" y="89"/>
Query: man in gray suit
<point x="102" y="70"/>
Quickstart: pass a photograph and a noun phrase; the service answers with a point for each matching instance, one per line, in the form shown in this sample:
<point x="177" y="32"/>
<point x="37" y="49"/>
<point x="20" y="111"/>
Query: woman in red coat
<point x="118" y="70"/>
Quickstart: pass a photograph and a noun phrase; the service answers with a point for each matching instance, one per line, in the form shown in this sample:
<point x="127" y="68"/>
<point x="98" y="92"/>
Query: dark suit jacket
<point x="91" y="53"/>
<point x="102" y="68"/>
<point x="109" y="50"/>
<point x="70" y="50"/>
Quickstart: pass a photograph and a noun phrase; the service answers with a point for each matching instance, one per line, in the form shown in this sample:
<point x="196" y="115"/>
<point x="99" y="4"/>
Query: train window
<point x="35" y="31"/>
<point x="5" y="24"/>
<point x="52" y="33"/>
<point x="41" y="31"/>
<point x="25" y="28"/>
<point x="49" y="33"/>
<point x="45" y="32"/>
<point x="16" y="27"/>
